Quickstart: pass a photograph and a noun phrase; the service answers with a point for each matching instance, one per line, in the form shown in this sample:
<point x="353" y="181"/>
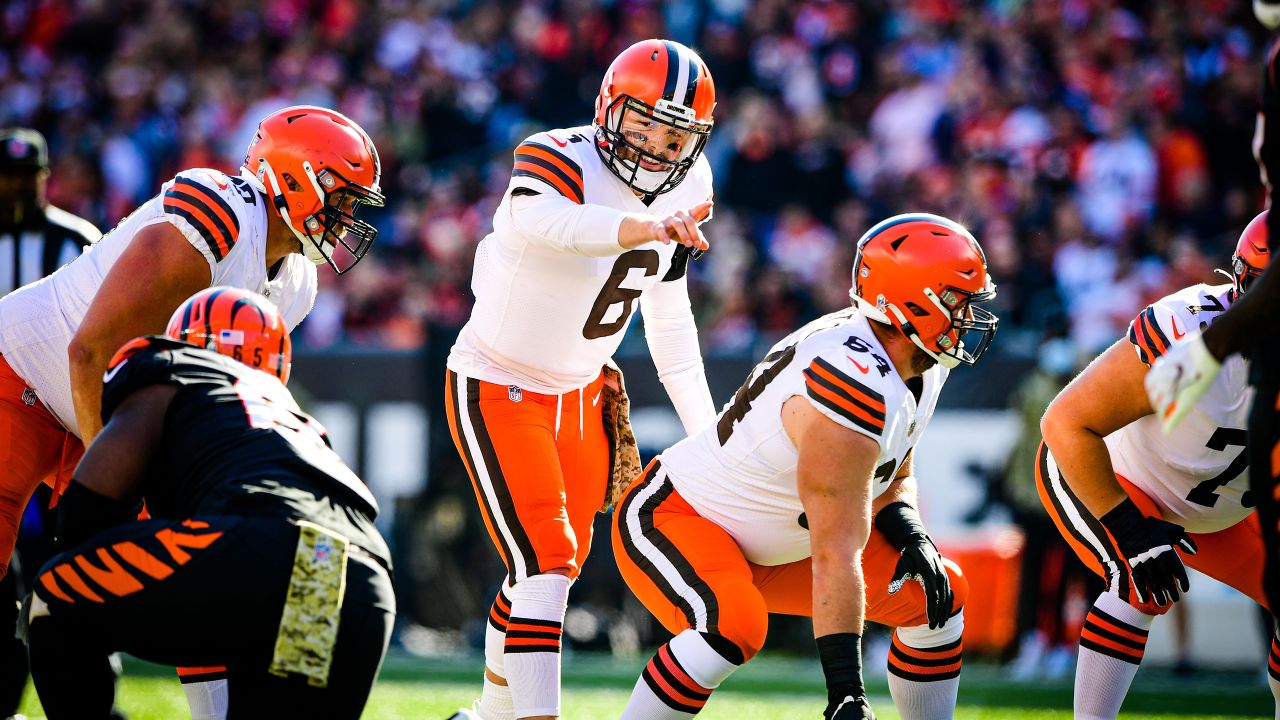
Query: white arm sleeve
<point x="559" y="223"/>
<point x="673" y="342"/>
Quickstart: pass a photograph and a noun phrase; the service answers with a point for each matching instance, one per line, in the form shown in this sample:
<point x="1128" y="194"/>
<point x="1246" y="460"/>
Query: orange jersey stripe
<point x="845" y="404"/>
<point x="175" y="541"/>
<point x="1149" y="323"/>
<point x="536" y="151"/>
<point x="208" y="229"/>
<point x="50" y="584"/>
<point x="843" y="384"/>
<point x="548" y="177"/>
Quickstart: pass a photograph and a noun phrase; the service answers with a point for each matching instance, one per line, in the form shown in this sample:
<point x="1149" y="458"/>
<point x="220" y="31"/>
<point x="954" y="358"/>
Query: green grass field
<point x="770" y="688"/>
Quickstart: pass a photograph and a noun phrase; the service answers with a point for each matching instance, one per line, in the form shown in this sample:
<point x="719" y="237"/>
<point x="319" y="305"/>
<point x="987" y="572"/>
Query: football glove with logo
<point x="920" y="561"/>
<point x="1148" y="545"/>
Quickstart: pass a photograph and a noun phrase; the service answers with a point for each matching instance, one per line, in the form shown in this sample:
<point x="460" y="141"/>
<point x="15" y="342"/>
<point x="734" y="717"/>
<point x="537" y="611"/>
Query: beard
<point x="921" y="361"/>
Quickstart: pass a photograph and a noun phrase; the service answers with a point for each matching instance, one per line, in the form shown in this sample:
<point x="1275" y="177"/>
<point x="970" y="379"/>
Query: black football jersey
<point x="235" y="442"/>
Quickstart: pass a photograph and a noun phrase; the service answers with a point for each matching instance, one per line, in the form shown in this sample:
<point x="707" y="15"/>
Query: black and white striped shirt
<point x="34" y="251"/>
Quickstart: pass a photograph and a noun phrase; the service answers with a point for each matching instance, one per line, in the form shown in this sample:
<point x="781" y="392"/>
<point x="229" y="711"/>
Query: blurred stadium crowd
<point x="1099" y="149"/>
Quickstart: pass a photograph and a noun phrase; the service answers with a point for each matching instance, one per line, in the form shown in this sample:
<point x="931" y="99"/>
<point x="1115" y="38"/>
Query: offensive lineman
<point x="1136" y="503"/>
<point x="294" y="201"/>
<point x="260" y="553"/>
<point x="800" y="499"/>
<point x="584" y="233"/>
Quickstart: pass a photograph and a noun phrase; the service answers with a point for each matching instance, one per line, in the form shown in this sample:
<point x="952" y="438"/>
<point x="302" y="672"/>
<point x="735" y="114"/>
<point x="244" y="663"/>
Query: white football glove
<point x="1178" y="378"/>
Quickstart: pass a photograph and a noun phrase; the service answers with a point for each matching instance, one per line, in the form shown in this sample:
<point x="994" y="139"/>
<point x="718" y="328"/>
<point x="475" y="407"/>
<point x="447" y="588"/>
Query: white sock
<point x="207" y="699"/>
<point x="495" y="699"/>
<point x="1273" y="672"/>
<point x="678" y="680"/>
<point x="532" y="647"/>
<point x="1112" y="643"/>
<point x="924" y="669"/>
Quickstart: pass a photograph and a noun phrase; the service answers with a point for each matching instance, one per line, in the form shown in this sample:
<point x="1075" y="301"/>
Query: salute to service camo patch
<point x="309" y="625"/>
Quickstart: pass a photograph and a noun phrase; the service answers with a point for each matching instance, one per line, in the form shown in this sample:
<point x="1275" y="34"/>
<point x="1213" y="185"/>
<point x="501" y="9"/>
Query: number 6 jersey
<point x="1197" y="473"/>
<point x="554" y="291"/>
<point x="740" y="473"/>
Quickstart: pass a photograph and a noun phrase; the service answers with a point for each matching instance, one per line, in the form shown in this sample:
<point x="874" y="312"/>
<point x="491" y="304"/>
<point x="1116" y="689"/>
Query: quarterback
<point x="294" y="201"/>
<point x="800" y="498"/>
<point x="597" y="219"/>
<point x="1136" y="503"/>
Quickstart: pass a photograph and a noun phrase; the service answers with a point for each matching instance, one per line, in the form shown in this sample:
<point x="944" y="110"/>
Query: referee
<point x="36" y="238"/>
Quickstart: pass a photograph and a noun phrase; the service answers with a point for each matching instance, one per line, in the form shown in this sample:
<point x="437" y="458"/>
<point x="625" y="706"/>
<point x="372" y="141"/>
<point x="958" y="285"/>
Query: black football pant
<point x="194" y="593"/>
<point x="1264" y="456"/>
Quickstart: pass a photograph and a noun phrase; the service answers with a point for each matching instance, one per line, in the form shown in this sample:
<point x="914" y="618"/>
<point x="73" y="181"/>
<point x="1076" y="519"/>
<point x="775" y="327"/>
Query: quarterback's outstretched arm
<point x="1105" y="397"/>
<point x="672" y="335"/>
<point x="155" y="274"/>
<point x="599" y="231"/>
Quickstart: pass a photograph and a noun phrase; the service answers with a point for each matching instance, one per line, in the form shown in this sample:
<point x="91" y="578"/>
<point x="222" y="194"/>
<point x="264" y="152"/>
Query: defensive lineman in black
<point x="260" y="554"/>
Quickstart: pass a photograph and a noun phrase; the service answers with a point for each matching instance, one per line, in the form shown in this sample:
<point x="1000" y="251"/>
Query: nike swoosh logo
<point x="221" y="186"/>
<point x="557" y="141"/>
<point x="596" y="401"/>
<point x="1177" y="334"/>
<point x="858" y="364"/>
<point x="106" y="377"/>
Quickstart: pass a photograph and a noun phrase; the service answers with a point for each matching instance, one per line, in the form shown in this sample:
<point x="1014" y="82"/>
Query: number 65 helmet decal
<point x="240" y="324"/>
<point x="924" y="275"/>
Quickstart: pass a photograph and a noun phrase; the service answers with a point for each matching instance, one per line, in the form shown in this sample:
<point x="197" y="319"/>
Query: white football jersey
<point x="222" y="216"/>
<point x="740" y="472"/>
<point x="548" y="320"/>
<point x="1198" y="474"/>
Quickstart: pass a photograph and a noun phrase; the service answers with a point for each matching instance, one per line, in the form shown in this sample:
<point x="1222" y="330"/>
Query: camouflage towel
<point x="624" y="456"/>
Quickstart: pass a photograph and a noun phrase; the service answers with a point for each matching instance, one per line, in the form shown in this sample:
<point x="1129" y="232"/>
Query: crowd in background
<point x="1099" y="149"/>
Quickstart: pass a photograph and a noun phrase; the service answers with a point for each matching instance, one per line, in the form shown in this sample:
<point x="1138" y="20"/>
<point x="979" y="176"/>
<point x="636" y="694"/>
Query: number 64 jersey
<point x="740" y="472"/>
<point x="554" y="291"/>
<point x="1197" y="474"/>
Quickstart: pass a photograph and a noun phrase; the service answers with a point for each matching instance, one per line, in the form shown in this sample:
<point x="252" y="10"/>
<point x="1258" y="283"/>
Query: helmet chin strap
<point x="310" y="248"/>
<point x="873" y="312"/>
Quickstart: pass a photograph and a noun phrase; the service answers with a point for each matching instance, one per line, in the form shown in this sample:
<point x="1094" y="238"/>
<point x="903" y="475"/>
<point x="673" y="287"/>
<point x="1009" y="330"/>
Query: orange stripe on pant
<point x="1233" y="556"/>
<point x="539" y="466"/>
<point x="689" y="572"/>
<point x="34" y="447"/>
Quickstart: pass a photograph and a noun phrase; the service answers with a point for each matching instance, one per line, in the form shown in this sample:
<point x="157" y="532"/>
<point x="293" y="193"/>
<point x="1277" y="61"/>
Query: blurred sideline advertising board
<point x="380" y="411"/>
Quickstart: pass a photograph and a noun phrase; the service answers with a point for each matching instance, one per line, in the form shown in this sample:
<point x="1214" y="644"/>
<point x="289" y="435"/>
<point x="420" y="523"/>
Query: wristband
<point x="1122" y="520"/>
<point x="841" y="656"/>
<point x="901" y="525"/>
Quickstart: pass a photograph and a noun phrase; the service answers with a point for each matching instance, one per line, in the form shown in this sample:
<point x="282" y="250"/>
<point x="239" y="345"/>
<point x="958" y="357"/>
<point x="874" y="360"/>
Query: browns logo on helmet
<point x="318" y="166"/>
<point x="653" y="115"/>
<point x="240" y="324"/>
<point x="924" y="275"/>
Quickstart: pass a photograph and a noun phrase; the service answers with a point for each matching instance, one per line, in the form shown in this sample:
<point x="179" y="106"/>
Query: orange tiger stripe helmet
<point x="318" y="167"/>
<point x="651" y="85"/>
<point x="1253" y="252"/>
<point x="240" y="324"/>
<point x="924" y="275"/>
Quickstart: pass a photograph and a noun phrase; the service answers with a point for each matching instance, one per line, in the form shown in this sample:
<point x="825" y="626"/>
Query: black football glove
<point x="1148" y="545"/>
<point x="849" y="708"/>
<point x="901" y="526"/>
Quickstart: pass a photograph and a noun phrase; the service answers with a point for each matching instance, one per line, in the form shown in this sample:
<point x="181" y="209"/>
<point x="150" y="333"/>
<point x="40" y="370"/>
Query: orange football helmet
<point x="318" y="166"/>
<point x="924" y="275"/>
<point x="1252" y="253"/>
<point x="654" y="84"/>
<point x="237" y="323"/>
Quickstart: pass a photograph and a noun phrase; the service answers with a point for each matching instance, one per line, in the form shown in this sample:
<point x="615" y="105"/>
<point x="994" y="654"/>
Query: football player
<point x="291" y="206"/>
<point x="597" y="220"/>
<point x="1179" y="378"/>
<point x="1136" y="503"/>
<point x="260" y="553"/>
<point x="800" y="498"/>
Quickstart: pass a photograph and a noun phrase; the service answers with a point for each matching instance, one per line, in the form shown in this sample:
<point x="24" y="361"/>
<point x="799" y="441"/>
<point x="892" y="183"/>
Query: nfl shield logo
<point x="28" y="397"/>
<point x="514" y="393"/>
